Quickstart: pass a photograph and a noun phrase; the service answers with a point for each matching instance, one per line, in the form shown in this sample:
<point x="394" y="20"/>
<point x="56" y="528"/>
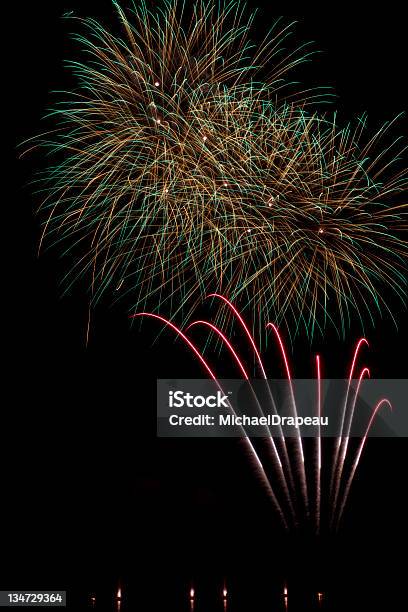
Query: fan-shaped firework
<point x="293" y="481"/>
<point x="179" y="167"/>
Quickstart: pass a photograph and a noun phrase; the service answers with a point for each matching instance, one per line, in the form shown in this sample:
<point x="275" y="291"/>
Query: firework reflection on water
<point x="279" y="603"/>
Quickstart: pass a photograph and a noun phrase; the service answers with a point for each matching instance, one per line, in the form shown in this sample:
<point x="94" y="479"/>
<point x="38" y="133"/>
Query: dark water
<point x="274" y="604"/>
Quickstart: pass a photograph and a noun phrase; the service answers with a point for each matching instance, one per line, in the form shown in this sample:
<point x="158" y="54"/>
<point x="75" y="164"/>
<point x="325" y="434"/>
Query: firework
<point x="283" y="470"/>
<point x="182" y="162"/>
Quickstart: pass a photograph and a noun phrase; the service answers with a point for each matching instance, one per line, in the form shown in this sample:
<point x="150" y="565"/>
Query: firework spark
<point x="182" y="162"/>
<point x="281" y="468"/>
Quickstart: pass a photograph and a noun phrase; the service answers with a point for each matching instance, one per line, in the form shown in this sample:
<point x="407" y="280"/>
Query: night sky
<point x="89" y="495"/>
